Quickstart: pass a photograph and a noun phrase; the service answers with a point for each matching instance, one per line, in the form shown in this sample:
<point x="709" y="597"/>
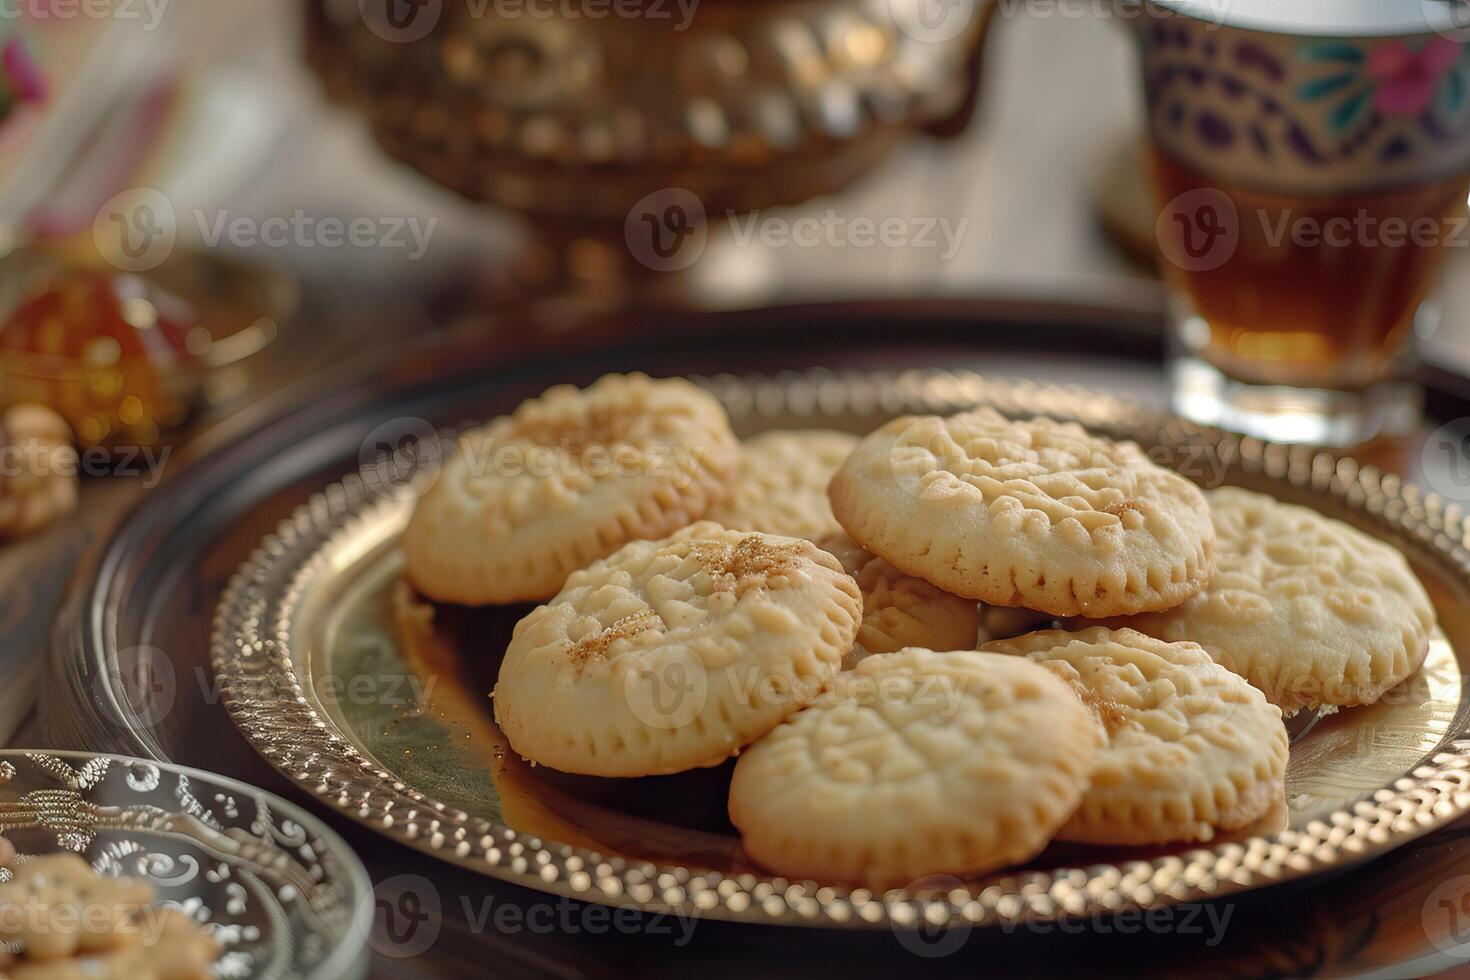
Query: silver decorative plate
<point x="330" y="671"/>
<point x="282" y="895"/>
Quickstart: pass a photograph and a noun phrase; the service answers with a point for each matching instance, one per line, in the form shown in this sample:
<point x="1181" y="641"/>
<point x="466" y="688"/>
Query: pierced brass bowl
<point x="549" y="111"/>
<point x="675" y="112"/>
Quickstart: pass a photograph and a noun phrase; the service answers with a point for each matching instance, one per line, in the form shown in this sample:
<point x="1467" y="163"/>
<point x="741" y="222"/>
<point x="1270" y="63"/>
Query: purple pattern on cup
<point x="1312" y="114"/>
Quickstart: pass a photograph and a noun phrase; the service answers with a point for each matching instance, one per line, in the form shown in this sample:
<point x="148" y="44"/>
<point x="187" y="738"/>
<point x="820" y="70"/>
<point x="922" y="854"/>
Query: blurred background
<point x="1008" y="168"/>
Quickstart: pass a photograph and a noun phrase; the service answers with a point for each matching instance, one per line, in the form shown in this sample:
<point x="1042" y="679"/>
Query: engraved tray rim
<point x="308" y="749"/>
<point x="349" y="955"/>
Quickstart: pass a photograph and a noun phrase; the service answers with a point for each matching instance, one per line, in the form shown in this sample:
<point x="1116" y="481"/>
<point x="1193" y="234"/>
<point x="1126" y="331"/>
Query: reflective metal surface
<point x="315" y="609"/>
<point x="280" y="893"/>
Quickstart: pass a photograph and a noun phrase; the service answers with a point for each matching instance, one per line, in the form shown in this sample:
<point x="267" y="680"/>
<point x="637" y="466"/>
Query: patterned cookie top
<point x="1031" y="513"/>
<point x="782" y="484"/>
<point x="673" y="654"/>
<point x="1309" y="609"/>
<point x="1191" y="747"/>
<point x="901" y="610"/>
<point x="570" y="477"/>
<point x="916" y="763"/>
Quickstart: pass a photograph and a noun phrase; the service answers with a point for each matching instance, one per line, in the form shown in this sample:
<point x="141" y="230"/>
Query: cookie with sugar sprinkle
<point x="569" y="477"/>
<point x="674" y="654"/>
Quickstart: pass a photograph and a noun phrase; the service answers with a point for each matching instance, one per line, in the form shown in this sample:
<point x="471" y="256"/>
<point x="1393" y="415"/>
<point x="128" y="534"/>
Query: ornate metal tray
<point x="283" y="896"/>
<point x="314" y="616"/>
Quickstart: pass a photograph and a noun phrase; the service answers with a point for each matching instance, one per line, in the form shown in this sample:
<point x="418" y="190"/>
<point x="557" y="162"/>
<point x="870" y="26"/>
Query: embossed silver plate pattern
<point x="282" y="895"/>
<point x="260" y="655"/>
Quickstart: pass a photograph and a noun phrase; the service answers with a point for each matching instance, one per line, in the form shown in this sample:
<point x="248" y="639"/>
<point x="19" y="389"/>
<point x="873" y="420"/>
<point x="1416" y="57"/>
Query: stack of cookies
<point x="60" y="919"/>
<point x="849" y="617"/>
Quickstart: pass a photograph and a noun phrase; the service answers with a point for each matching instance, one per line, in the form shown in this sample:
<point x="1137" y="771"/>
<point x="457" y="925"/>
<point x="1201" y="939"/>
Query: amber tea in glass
<point x="1312" y="179"/>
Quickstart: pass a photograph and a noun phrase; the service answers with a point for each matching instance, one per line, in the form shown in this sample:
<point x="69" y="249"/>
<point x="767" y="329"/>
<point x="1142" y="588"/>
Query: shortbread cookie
<point x="673" y="654"/>
<point x="1310" y="610"/>
<point x="782" y="484"/>
<point x="173" y="947"/>
<point x="917" y="763"/>
<point x="1030" y="513"/>
<point x="902" y="610"/>
<point x="69" y="909"/>
<point x="570" y="477"/>
<point x="1192" y="749"/>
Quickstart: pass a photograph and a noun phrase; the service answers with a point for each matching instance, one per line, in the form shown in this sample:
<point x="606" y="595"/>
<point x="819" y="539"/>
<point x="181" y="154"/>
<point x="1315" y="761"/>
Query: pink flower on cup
<point x="1407" y="79"/>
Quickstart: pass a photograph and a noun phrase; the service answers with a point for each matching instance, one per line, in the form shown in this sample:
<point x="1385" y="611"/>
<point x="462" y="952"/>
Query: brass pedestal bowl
<point x="602" y="122"/>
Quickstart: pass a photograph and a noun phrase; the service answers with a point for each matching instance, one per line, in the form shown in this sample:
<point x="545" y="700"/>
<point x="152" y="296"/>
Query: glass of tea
<point x="1312" y="164"/>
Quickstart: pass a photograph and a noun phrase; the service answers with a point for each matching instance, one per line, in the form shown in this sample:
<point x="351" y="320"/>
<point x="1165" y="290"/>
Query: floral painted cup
<point x="1312" y="160"/>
